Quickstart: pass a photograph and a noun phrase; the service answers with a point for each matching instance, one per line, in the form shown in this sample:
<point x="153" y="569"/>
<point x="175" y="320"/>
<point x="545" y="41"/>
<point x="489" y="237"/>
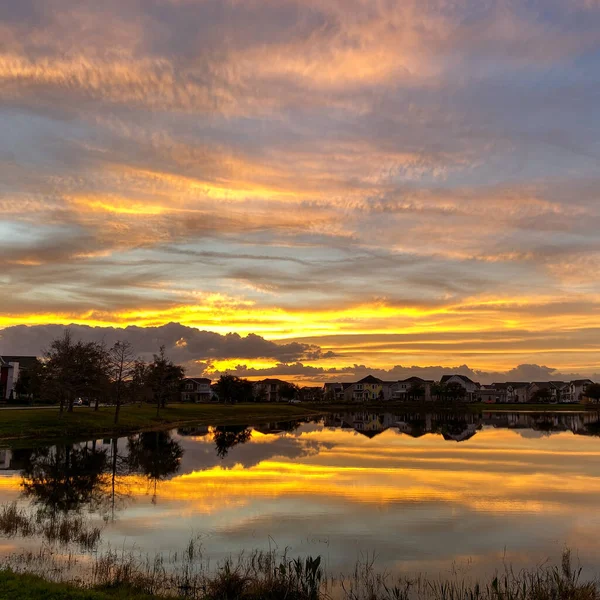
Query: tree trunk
<point x="97" y="405"/>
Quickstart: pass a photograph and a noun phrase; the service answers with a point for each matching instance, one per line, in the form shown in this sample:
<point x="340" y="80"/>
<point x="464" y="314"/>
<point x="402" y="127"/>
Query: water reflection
<point x="65" y="478"/>
<point x="422" y="490"/>
<point x="155" y="455"/>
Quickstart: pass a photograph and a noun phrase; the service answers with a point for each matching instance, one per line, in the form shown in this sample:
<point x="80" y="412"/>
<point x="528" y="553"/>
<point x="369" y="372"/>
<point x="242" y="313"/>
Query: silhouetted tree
<point x="288" y="391"/>
<point x="543" y="395"/>
<point x="416" y="391"/>
<point x="31" y="381"/>
<point x="454" y="391"/>
<point x="438" y="390"/>
<point x="164" y="378"/>
<point x="232" y="389"/>
<point x="138" y="385"/>
<point x="593" y="392"/>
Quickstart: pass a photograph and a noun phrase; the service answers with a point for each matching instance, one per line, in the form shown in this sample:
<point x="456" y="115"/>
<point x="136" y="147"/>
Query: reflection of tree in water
<point x="226" y="438"/>
<point x="154" y="454"/>
<point x="290" y="425"/>
<point x="65" y="478"/>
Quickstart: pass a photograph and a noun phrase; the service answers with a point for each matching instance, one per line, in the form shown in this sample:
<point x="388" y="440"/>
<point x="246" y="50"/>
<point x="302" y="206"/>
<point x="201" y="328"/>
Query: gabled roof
<point x="580" y="381"/>
<point x="548" y="384"/>
<point x="414" y="379"/>
<point x="463" y="377"/>
<point x="369" y="379"/>
<point x="198" y="379"/>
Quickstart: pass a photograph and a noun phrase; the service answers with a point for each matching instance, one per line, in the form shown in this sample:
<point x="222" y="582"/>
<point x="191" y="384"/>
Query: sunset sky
<point x="361" y="185"/>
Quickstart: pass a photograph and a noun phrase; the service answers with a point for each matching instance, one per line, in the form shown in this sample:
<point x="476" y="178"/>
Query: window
<point x="189" y="386"/>
<point x="359" y="387"/>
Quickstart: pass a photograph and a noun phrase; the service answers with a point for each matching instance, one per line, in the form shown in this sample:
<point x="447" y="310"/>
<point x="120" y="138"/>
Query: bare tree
<point x="122" y="363"/>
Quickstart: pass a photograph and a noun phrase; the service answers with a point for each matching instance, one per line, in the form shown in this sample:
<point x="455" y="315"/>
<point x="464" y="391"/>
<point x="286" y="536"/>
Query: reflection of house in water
<point x="460" y="427"/>
<point x="196" y="431"/>
<point x="460" y="433"/>
<point x="367" y="423"/>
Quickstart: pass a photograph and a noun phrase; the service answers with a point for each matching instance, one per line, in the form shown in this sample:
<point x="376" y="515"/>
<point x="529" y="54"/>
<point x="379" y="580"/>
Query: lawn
<point x="48" y="424"/>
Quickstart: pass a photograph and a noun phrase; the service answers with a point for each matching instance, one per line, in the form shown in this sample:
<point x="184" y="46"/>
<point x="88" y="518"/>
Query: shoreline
<point x="43" y="425"/>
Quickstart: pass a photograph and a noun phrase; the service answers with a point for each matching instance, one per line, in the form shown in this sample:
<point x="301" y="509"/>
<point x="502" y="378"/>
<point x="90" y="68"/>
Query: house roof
<point x="271" y="380"/>
<point x="547" y="384"/>
<point x="25" y="362"/>
<point x="414" y="379"/>
<point x="198" y="379"/>
<point x="370" y="379"/>
<point x="514" y="384"/>
<point x="463" y="377"/>
<point x="581" y="381"/>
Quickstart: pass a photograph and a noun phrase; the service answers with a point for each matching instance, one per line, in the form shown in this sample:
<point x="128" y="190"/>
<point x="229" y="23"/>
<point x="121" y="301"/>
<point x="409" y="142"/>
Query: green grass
<point x="49" y="424"/>
<point x="15" y="586"/>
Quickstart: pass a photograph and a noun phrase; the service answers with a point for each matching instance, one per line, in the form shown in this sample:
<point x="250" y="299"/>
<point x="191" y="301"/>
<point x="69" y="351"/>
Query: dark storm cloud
<point x="182" y="343"/>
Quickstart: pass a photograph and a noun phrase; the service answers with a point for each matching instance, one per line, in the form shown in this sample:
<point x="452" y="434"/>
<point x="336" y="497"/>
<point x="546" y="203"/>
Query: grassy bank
<point x="262" y="578"/>
<point x="30" y="587"/>
<point x="49" y="424"/>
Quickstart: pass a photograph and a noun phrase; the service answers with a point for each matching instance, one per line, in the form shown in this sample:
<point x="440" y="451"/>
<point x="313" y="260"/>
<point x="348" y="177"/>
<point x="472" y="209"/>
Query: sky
<point x="317" y="189"/>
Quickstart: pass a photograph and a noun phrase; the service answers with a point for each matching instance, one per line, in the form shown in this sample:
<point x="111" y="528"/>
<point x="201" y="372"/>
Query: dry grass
<point x="274" y="576"/>
<point x="61" y="529"/>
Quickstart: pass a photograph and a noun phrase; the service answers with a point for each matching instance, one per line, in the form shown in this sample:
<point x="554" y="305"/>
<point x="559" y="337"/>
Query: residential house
<point x="516" y="391"/>
<point x="368" y="389"/>
<point x="554" y="388"/>
<point x="196" y="389"/>
<point x="489" y="394"/>
<point x="10" y="369"/>
<point x="471" y="387"/>
<point x="401" y="390"/>
<point x="311" y="394"/>
<point x="575" y="390"/>
<point x="334" y="391"/>
<point x="269" y="389"/>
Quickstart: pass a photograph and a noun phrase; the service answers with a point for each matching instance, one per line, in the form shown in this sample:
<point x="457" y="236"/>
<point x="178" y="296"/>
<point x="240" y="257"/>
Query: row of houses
<point x="371" y="388"/>
<point x="367" y="389"/>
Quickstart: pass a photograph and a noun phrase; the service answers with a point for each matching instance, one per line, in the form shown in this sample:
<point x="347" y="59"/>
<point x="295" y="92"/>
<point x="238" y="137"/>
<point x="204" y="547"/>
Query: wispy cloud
<point x="329" y="167"/>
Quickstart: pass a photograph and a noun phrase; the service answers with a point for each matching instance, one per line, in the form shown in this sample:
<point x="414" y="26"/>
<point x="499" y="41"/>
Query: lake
<point x="435" y="493"/>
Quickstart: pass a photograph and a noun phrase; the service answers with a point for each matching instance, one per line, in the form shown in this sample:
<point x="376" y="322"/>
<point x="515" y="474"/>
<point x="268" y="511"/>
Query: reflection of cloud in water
<point x="200" y="454"/>
<point x="419" y="501"/>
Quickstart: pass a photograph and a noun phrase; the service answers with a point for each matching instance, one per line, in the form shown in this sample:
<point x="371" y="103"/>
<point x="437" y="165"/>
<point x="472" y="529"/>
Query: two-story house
<point x="471" y="387"/>
<point x="516" y="391"/>
<point x="575" y="390"/>
<point x="405" y="389"/>
<point x="10" y="370"/>
<point x="196" y="389"/>
<point x="369" y="388"/>
<point x="269" y="389"/>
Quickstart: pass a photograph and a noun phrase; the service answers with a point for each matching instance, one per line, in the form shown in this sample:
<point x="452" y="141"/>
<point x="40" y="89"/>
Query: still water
<point x="426" y="493"/>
